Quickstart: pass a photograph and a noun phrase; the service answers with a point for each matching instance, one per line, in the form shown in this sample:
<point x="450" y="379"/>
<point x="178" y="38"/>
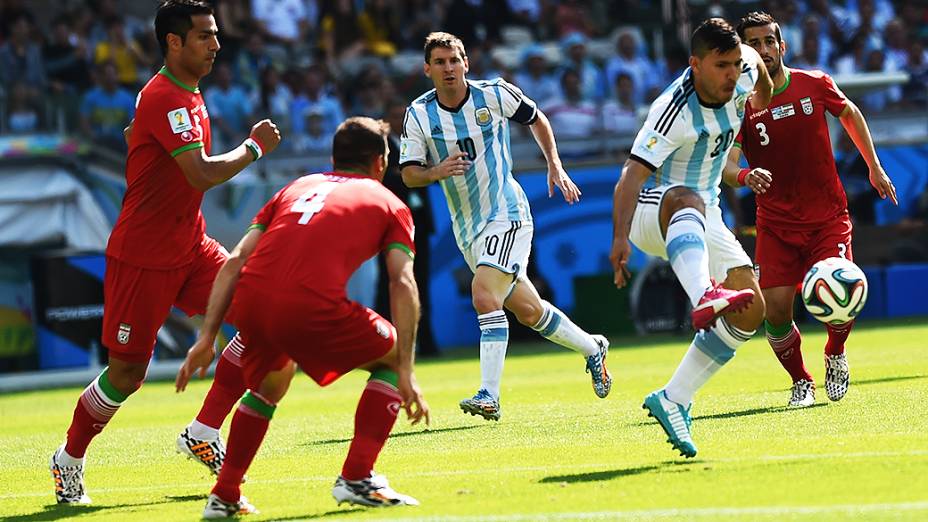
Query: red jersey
<point x="160" y="224"/>
<point x="318" y="230"/>
<point x="790" y="139"/>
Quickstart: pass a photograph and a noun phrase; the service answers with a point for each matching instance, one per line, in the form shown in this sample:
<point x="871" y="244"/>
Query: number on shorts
<point x="312" y="201"/>
<point x="842" y="250"/>
<point x="491" y="245"/>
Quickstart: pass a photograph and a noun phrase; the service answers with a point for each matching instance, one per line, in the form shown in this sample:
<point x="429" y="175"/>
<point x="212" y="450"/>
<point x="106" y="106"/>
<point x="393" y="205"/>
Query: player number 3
<point x="762" y="130"/>
<point x="311" y="202"/>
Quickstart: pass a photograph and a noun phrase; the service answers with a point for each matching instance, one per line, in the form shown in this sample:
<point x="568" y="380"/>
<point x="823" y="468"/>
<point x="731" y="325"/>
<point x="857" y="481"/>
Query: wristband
<point x="742" y="176"/>
<point x="255" y="147"/>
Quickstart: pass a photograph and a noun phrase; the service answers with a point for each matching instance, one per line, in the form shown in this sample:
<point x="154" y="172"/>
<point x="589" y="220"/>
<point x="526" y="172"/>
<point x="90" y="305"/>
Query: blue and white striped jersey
<point x="687" y="142"/>
<point x="480" y="128"/>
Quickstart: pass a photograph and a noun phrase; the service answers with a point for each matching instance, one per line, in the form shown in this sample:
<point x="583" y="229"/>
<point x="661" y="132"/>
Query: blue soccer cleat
<point x="596" y="367"/>
<point x="674" y="418"/>
<point x="483" y="404"/>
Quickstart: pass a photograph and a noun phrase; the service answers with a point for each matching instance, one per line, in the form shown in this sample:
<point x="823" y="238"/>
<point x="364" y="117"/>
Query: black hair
<point x="174" y="17"/>
<point x="758" y="19"/>
<point x="357" y="141"/>
<point x="713" y="34"/>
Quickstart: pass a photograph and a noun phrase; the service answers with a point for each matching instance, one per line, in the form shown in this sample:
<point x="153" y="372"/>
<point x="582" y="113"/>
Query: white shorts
<point x="725" y="252"/>
<point x="504" y="245"/>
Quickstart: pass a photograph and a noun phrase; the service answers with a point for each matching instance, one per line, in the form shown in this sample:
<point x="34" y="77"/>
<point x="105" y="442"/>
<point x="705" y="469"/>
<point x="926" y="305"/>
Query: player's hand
<point x="267" y="134"/>
<point x="621" y="252"/>
<point x="199" y="357"/>
<point x="758" y="180"/>
<point x="454" y="165"/>
<point x="557" y="177"/>
<point x="413" y="401"/>
<point x="883" y="185"/>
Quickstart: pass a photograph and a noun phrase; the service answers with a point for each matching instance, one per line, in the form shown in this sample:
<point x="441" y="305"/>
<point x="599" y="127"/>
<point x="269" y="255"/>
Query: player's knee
<point x="528" y="313"/>
<point x="276" y="383"/>
<point x="127" y="378"/>
<point x="485" y="301"/>
<point x="778" y="315"/>
<point x="679" y="198"/>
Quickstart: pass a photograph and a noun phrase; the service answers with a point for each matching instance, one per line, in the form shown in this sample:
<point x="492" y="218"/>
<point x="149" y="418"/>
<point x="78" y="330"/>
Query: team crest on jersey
<point x="807" y="106"/>
<point x="180" y="120"/>
<point x="122" y="336"/>
<point x="740" y="101"/>
<point x="482" y="115"/>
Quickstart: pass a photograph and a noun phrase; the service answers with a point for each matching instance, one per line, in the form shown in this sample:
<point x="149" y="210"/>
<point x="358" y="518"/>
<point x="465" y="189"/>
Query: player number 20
<point x="722" y="142"/>
<point x="312" y="201"/>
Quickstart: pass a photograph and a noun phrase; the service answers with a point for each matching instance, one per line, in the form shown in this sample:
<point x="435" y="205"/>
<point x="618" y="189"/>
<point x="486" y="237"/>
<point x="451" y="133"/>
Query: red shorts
<point x="324" y="345"/>
<point x="783" y="256"/>
<point x="136" y="301"/>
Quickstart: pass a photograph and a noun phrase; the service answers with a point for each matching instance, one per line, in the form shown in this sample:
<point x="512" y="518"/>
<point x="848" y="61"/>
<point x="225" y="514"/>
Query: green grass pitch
<point x="558" y="453"/>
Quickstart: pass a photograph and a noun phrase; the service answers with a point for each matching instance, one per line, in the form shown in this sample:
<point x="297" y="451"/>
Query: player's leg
<point x="201" y="439"/>
<point x="137" y="302"/>
<point x="546" y="319"/>
<point x="683" y="224"/>
<point x="834" y="240"/>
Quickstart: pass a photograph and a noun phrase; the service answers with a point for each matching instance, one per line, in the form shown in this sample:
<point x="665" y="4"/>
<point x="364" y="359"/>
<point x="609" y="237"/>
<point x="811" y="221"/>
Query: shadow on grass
<point x="333" y="513"/>
<point x="601" y="476"/>
<point x="756" y="411"/>
<point x="863" y="382"/>
<point x="60" y="511"/>
<point x="420" y="433"/>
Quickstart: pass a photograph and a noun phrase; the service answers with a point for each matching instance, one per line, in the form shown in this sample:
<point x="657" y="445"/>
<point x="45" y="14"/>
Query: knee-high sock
<point x="373" y="421"/>
<point x="711" y="349"/>
<point x="249" y="425"/>
<point x="494" y="340"/>
<point x="227" y="388"/>
<point x="837" y="335"/>
<point x="786" y="343"/>
<point x="558" y="328"/>
<point x="686" y="250"/>
<point x="97" y="404"/>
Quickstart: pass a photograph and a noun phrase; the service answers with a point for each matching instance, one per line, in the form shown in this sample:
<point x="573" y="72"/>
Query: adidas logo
<point x="436" y="129"/>
<point x="703" y="134"/>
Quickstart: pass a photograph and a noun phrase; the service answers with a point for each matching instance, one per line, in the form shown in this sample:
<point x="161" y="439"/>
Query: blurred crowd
<point x="593" y="66"/>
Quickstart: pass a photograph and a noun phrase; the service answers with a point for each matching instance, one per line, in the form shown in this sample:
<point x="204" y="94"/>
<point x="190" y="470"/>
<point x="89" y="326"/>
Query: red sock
<point x="97" y="404"/>
<point x="82" y="430"/>
<point x="228" y="387"/>
<point x="249" y="425"/>
<point x="787" y="348"/>
<point x="837" y="335"/>
<point x="373" y="420"/>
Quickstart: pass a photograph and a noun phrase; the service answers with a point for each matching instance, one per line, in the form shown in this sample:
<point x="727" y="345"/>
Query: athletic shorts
<point x="784" y="256"/>
<point x="326" y="342"/>
<point x="136" y="301"/>
<point x="725" y="252"/>
<point x="504" y="245"/>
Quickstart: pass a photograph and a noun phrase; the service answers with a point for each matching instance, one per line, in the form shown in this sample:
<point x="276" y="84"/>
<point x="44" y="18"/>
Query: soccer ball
<point x="834" y="290"/>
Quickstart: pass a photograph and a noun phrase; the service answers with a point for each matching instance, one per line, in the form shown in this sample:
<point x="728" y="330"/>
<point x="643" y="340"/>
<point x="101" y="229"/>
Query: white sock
<point x="201" y="431"/>
<point x="494" y="339"/>
<point x="710" y="350"/>
<point x="558" y="328"/>
<point x="686" y="249"/>
<point x="67" y="460"/>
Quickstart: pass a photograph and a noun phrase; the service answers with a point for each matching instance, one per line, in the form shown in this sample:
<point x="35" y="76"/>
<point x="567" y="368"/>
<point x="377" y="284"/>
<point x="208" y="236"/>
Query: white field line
<point x="498" y="471"/>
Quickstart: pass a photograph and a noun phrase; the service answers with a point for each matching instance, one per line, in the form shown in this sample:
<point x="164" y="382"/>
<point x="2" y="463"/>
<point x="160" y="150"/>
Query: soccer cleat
<point x="483" y="404"/>
<point x="837" y="376"/>
<point x="718" y="301"/>
<point x="373" y="491"/>
<point x="674" y="419"/>
<point x="69" y="481"/>
<point x="210" y="453"/>
<point x="218" y="508"/>
<point x="803" y="394"/>
<point x="596" y="367"/>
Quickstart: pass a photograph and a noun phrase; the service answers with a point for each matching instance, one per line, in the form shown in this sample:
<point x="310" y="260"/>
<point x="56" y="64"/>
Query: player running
<point x="286" y="284"/>
<point x="458" y="135"/>
<point x="689" y="129"/>
<point x="158" y="254"/>
<point x="802" y="213"/>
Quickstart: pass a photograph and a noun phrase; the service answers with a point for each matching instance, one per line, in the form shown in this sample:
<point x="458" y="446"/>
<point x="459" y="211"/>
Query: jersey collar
<point x="455" y="109"/>
<point x="789" y="78"/>
<point x="165" y="72"/>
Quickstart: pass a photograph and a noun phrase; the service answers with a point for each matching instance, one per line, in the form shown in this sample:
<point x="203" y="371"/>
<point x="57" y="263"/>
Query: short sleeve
<point x="413" y="149"/>
<point x="172" y="123"/>
<point x="663" y="132"/>
<point x="401" y="231"/>
<point x="739" y="139"/>
<point x="834" y="99"/>
<point x="263" y="218"/>
<point x="515" y="104"/>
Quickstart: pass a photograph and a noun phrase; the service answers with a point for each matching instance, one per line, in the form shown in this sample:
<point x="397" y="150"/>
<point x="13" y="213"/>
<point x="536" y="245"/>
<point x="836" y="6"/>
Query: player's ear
<point x="694" y="62"/>
<point x="174" y="41"/>
<point x="426" y="68"/>
<point x="466" y="65"/>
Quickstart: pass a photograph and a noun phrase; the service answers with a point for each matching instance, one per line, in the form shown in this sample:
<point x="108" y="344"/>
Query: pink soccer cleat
<point x="718" y="301"/>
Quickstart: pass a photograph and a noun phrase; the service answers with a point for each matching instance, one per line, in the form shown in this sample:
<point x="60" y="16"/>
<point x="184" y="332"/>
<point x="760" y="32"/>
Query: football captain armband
<point x="255" y="147"/>
<point x="742" y="176"/>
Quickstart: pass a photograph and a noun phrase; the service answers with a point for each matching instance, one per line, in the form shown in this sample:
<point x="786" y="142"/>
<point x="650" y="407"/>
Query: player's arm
<point x="557" y="176"/>
<point x="733" y="175"/>
<point x="201" y="354"/>
<point x="852" y="119"/>
<point x="763" y="86"/>
<point x="624" y="203"/>
<point x="418" y="175"/>
<point x="204" y="172"/>
<point x="404" y="310"/>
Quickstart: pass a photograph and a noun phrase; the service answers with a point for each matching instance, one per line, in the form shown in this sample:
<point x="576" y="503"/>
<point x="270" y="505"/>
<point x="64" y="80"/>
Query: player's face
<point x="716" y="74"/>
<point x="764" y="40"/>
<point x="446" y="67"/>
<point x="201" y="45"/>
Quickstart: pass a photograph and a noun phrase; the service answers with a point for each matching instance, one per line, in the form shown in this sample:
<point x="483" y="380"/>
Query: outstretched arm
<point x="204" y="172"/>
<point x="557" y="176"/>
<point x="856" y="126"/>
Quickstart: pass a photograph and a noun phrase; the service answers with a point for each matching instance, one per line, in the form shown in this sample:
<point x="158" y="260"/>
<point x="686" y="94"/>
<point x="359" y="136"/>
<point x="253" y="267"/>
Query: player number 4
<point x="311" y="202"/>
